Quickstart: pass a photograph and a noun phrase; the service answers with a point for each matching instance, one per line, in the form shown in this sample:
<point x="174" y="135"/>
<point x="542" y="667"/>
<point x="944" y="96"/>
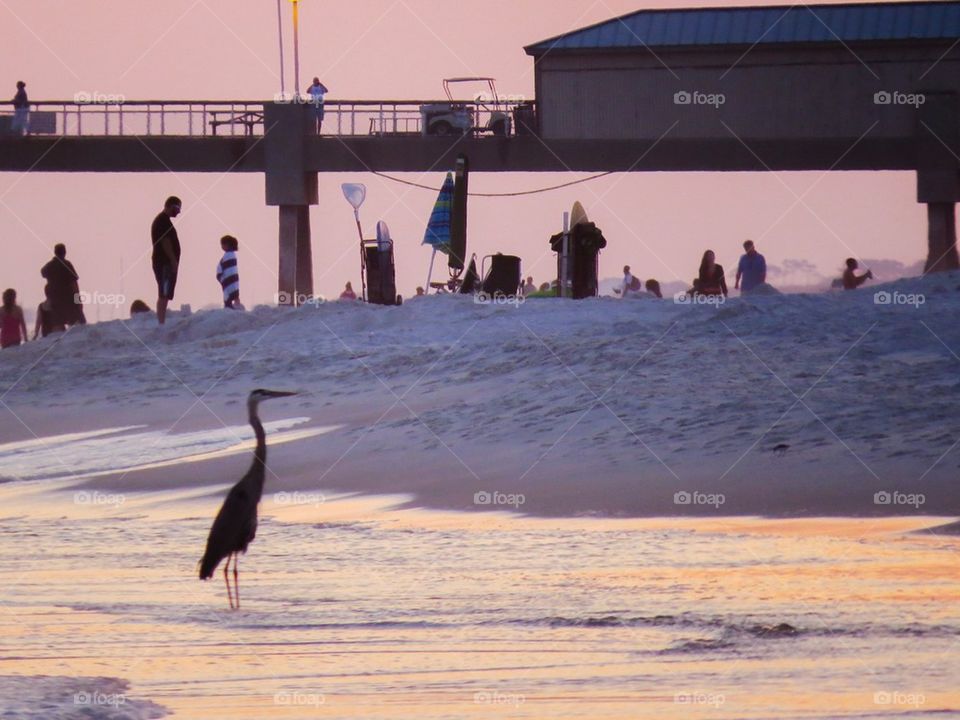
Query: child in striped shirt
<point x="227" y="272"/>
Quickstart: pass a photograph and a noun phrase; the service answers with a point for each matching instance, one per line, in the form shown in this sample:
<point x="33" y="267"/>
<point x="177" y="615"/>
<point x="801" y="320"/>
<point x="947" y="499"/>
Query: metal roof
<point x="847" y="23"/>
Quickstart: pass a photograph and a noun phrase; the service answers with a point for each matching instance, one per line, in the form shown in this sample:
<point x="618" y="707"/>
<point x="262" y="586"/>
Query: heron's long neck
<point x="260" y="454"/>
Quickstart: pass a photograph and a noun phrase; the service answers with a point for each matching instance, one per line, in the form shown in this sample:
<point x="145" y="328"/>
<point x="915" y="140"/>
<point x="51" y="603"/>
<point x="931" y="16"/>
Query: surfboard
<point x="383" y="236"/>
<point x="578" y="215"/>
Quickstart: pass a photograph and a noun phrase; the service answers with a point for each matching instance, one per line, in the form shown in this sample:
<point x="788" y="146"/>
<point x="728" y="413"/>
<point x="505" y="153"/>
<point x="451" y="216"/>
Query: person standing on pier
<point x="316" y="93"/>
<point x="21" y="110"/>
<point x="166" y="254"/>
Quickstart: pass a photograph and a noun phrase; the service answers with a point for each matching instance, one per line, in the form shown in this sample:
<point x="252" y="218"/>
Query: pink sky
<point x="215" y="49"/>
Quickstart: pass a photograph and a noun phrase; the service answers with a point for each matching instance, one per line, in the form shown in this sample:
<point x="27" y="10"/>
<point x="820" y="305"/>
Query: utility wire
<point x="509" y="194"/>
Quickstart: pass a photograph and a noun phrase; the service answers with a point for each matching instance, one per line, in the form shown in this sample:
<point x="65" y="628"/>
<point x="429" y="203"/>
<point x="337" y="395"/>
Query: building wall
<point x="767" y="93"/>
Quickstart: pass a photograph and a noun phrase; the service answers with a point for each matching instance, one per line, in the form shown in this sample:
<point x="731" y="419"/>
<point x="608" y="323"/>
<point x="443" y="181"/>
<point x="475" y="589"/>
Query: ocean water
<point x="352" y="609"/>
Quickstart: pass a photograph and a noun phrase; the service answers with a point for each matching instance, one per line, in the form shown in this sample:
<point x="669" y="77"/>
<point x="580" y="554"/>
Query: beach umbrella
<point x="438" y="227"/>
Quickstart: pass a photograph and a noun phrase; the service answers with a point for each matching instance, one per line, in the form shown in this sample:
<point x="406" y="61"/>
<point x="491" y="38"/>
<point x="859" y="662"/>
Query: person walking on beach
<point x="13" y="327"/>
<point x="21" y="110"/>
<point x="711" y="279"/>
<point x="851" y="281"/>
<point x="228" y="274"/>
<point x="752" y="270"/>
<point x="166" y="254"/>
<point x="316" y="93"/>
<point x="62" y="290"/>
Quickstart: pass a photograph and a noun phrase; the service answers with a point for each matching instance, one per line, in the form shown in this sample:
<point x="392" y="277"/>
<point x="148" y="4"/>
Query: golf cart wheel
<point x="442" y="129"/>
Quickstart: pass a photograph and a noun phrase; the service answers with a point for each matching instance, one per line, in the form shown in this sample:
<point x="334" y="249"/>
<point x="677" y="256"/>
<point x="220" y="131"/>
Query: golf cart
<point x="466" y="117"/>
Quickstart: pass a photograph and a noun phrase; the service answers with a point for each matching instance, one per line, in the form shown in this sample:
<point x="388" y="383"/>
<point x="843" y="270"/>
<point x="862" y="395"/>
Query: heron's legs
<point x="236" y="579"/>
<point x="226" y="579"/>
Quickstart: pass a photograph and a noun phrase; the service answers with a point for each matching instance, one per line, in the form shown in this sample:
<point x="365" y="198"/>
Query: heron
<point x="235" y="526"/>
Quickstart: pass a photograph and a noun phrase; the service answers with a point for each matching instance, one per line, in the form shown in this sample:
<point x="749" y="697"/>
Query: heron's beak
<point x="280" y="393"/>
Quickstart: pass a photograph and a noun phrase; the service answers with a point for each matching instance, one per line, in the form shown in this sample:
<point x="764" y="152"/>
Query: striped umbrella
<point x="438" y="227"/>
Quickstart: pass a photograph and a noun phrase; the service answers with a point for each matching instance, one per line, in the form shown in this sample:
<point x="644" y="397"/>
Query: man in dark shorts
<point x="166" y="254"/>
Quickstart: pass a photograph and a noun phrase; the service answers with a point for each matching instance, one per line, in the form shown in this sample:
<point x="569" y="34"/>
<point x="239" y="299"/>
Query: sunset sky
<point x="214" y="49"/>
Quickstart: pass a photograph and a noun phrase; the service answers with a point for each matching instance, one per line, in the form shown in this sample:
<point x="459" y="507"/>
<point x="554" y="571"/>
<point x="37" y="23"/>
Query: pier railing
<point x="108" y="116"/>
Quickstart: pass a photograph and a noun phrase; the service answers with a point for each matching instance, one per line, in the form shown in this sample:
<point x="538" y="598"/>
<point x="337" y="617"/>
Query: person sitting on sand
<point x="628" y="283"/>
<point x="139" y="307"/>
<point x="13" y="328"/>
<point x="711" y="278"/>
<point x="851" y="281"/>
<point x="528" y="287"/>
<point x="348" y="293"/>
<point x="653" y="287"/>
<point x="420" y="292"/>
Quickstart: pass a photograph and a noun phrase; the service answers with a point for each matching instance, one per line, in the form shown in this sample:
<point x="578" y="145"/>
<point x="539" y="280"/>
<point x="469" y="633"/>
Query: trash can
<point x="381" y="273"/>
<point x="586" y="242"/>
<point x="525" y="119"/>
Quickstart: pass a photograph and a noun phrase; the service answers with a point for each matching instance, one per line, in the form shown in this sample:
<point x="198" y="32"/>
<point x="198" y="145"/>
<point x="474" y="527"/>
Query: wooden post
<point x="941" y="237"/>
